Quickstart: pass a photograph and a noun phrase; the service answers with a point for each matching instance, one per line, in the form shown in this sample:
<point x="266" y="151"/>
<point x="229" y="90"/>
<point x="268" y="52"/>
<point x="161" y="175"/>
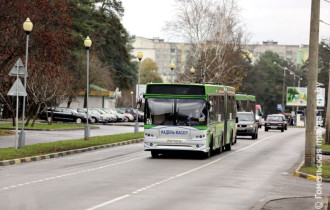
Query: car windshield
<point x="274" y="118"/>
<point x="245" y="117"/>
<point x="163" y="111"/>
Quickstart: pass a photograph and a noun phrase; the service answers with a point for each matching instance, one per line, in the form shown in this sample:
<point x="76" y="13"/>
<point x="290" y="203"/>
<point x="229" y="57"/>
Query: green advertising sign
<point x="296" y="96"/>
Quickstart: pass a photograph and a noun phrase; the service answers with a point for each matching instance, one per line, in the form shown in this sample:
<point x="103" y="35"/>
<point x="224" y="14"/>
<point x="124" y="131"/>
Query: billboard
<point x="297" y="96"/>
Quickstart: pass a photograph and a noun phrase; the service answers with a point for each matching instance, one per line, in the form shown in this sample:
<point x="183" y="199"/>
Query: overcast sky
<point x="284" y="21"/>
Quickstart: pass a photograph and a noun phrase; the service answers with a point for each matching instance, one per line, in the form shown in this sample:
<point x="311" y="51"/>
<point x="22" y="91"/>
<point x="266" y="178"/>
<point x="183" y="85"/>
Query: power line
<point x="325" y="22"/>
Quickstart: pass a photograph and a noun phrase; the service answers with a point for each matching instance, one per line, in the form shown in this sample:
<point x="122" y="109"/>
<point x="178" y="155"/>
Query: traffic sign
<point x="17" y="88"/>
<point x="18" y="68"/>
<point x="279" y="107"/>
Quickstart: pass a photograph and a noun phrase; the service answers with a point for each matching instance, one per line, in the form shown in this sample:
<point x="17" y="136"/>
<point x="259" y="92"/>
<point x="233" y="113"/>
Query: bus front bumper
<point x="176" y="144"/>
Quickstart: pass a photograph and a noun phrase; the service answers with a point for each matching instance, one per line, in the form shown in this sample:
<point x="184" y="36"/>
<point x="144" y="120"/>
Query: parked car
<point x="105" y="117"/>
<point x="247" y="125"/>
<point x="94" y="117"/>
<point x="275" y="121"/>
<point x="133" y="112"/>
<point x="127" y="116"/>
<point x="119" y="118"/>
<point x="62" y="114"/>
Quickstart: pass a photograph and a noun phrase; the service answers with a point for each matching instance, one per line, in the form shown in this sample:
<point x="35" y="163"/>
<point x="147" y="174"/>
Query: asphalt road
<point x="36" y="137"/>
<point x="126" y="178"/>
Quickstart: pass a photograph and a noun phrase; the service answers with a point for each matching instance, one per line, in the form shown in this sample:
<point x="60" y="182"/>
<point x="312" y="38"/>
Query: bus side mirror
<point x="236" y="119"/>
<point x="210" y="106"/>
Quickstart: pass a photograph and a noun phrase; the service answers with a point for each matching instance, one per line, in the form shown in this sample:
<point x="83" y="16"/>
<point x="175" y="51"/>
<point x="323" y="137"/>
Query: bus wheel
<point x="154" y="154"/>
<point x="228" y="146"/>
<point x="207" y="154"/>
<point x="220" y="149"/>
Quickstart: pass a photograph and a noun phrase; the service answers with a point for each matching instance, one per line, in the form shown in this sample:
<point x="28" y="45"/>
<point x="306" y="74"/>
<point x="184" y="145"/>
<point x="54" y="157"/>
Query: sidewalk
<point x="301" y="203"/>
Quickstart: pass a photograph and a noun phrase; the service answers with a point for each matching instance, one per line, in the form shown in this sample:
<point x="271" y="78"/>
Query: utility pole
<point x="327" y="118"/>
<point x="310" y="137"/>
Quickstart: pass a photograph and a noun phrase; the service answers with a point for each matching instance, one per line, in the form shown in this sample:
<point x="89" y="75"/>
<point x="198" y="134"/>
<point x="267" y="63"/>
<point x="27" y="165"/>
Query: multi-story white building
<point x="163" y="53"/>
<point x="297" y="54"/>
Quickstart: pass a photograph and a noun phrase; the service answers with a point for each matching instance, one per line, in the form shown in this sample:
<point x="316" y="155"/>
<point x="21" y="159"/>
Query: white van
<point x="259" y="115"/>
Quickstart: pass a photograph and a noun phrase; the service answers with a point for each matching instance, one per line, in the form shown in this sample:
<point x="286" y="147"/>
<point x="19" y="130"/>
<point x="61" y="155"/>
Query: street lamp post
<point x="27" y="26"/>
<point x="88" y="44"/>
<point x="136" y="128"/>
<point x="172" y="66"/>
<point x="283" y="87"/>
<point x="132" y="98"/>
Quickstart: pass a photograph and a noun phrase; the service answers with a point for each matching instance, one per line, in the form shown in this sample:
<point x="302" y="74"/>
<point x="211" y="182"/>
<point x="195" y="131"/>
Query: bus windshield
<point x="168" y="111"/>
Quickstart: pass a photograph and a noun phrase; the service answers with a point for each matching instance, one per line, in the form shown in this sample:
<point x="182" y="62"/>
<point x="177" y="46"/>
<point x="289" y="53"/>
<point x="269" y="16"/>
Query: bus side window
<point x="212" y="115"/>
<point x="221" y="107"/>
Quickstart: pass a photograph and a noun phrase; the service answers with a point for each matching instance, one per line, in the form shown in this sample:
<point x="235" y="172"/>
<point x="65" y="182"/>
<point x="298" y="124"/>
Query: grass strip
<point x="312" y="170"/>
<point x="325" y="164"/>
<point x="45" y="126"/>
<point x="59" y="146"/>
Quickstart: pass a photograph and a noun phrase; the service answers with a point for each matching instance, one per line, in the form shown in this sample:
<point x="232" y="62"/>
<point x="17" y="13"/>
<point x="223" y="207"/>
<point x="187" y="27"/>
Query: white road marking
<point x="177" y="176"/>
<point x="108" y="202"/>
<point x="70" y="174"/>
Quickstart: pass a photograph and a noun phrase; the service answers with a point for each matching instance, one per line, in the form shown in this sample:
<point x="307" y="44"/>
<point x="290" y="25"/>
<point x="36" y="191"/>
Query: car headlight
<point x="250" y="126"/>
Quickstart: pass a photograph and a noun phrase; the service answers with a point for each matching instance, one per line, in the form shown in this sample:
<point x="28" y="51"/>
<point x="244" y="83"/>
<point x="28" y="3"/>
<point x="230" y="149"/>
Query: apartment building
<point x="296" y="54"/>
<point x="163" y="53"/>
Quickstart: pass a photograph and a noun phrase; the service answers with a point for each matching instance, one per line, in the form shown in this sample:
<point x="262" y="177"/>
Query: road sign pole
<point x="16" y="119"/>
<point x="21" y="140"/>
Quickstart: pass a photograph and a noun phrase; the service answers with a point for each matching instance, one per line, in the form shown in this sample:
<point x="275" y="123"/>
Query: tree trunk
<point x="35" y="117"/>
<point x="69" y="102"/>
<point x="13" y="118"/>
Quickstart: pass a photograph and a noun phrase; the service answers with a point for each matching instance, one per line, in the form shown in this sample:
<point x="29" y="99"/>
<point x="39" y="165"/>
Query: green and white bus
<point x="189" y="117"/>
<point x="245" y="103"/>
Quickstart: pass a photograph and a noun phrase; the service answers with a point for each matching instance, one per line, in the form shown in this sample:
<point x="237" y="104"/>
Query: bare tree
<point x="216" y="38"/>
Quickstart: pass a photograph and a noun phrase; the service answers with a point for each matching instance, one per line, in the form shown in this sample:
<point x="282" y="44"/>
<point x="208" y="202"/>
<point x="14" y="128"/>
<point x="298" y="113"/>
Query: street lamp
<point x="27" y="26"/>
<point x="172" y="66"/>
<point x="88" y="44"/>
<point x="136" y="128"/>
<point x="132" y="98"/>
<point x="283" y="88"/>
<point x="192" y="71"/>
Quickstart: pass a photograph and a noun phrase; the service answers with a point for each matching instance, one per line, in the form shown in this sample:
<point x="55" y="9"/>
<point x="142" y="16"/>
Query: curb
<point x="306" y="176"/>
<point x="297" y="173"/>
<point x="291" y="126"/>
<point x="65" y="153"/>
<point x="60" y="129"/>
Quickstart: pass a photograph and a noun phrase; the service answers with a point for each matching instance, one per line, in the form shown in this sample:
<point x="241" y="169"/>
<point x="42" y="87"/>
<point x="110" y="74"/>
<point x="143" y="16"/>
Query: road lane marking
<point x="178" y="175"/>
<point x="70" y="174"/>
<point x="109" y="202"/>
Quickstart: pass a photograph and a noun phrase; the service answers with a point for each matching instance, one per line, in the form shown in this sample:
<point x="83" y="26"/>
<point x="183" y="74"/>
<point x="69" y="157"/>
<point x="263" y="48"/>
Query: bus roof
<point x="251" y="98"/>
<point x="245" y="97"/>
<point x="186" y="89"/>
<point x="241" y="96"/>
